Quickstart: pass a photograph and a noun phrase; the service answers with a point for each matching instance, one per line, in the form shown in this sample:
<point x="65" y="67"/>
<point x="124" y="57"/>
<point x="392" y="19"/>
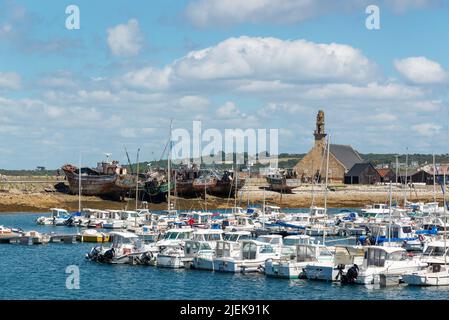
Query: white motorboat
<point x="175" y="237"/>
<point x="433" y="275"/>
<point x="372" y="210"/>
<point x="126" y="248"/>
<point x="383" y="262"/>
<point x="206" y="241"/>
<point x="251" y="258"/>
<point x="8" y="233"/>
<point x="171" y="257"/>
<point x="291" y="265"/>
<point x="199" y="254"/>
<point x="240" y="223"/>
<point x="114" y="220"/>
<point x="344" y="257"/>
<point x="58" y="217"/>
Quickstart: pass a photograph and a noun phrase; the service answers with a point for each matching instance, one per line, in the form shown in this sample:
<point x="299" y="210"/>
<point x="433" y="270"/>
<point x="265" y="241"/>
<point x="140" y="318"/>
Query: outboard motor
<point x="351" y="275"/>
<point x="109" y="254"/>
<point x="93" y="254"/>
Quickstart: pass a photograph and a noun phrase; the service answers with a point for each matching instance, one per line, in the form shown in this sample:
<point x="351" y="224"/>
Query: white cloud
<point x="194" y="102"/>
<point x="275" y="59"/>
<point x="427" y="129"/>
<point x="228" y="111"/>
<point x="125" y="39"/>
<point x="204" y="13"/>
<point x="421" y="70"/>
<point x="10" y="80"/>
<point x="149" y="78"/>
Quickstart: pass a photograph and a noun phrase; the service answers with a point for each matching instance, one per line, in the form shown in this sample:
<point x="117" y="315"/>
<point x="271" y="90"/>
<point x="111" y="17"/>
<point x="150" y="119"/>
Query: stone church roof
<point x="346" y="155"/>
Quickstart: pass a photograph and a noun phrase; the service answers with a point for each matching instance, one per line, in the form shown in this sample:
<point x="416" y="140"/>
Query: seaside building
<point x="362" y="173"/>
<point x="341" y="158"/>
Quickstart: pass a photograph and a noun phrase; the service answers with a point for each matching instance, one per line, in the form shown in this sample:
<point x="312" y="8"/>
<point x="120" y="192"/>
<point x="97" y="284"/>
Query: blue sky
<point x="259" y="64"/>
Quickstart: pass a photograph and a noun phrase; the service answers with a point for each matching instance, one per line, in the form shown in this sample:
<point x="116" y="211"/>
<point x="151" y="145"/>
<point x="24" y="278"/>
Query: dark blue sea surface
<point x="39" y="272"/>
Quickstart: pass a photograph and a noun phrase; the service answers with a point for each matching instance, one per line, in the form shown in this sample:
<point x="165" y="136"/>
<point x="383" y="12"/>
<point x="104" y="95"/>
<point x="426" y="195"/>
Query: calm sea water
<point x="39" y="272"/>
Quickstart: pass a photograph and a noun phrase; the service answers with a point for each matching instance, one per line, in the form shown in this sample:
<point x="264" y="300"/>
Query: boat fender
<point x="421" y="238"/>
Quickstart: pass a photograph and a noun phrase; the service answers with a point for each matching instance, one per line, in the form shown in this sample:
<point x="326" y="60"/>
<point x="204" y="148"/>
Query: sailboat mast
<point x="406" y="179"/>
<point x="137" y="180"/>
<point x="434" y="182"/>
<point x="169" y="168"/>
<point x="79" y="185"/>
<point x="325" y="185"/>
<point x="235" y="188"/>
<point x="445" y="214"/>
<point x="389" y="211"/>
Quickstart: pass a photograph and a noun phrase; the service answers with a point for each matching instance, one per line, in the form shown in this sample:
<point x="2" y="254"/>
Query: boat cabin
<point x="272" y="239"/>
<point x="255" y="250"/>
<point x="209" y="235"/>
<point x="59" y="213"/>
<point x="123" y="238"/>
<point x="178" y="234"/>
<point x="376" y="256"/>
<point x="193" y="247"/>
<point x="311" y="252"/>
<point x="297" y="239"/>
<point x="237" y="236"/>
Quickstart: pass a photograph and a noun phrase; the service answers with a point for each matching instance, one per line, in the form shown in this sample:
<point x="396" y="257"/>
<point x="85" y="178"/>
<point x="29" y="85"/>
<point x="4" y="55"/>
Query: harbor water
<point x="39" y="272"/>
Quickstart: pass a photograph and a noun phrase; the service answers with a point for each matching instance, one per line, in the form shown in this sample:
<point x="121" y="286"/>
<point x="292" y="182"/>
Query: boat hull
<point x="92" y="185"/>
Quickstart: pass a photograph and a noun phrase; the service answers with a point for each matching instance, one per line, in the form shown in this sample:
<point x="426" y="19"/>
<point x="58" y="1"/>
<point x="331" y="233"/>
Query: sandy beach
<point x="38" y="194"/>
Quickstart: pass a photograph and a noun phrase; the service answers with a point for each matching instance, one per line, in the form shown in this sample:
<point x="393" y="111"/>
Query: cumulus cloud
<point x="274" y="59"/>
<point x="421" y="70"/>
<point x="125" y="39"/>
<point x="149" y="78"/>
<point x="204" y="13"/>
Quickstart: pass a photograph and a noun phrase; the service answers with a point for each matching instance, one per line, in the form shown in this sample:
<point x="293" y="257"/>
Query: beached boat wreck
<point x="98" y="181"/>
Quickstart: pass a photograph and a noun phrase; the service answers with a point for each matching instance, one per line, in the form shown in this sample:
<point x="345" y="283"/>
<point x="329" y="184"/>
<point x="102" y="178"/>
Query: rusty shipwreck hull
<point x="226" y="188"/>
<point x="91" y="184"/>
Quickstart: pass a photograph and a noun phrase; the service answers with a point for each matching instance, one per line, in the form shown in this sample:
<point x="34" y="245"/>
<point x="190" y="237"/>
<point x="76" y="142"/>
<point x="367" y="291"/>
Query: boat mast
<point x="406" y="179"/>
<point x="79" y="185"/>
<point x="445" y="214"/>
<point x="235" y="188"/>
<point x="137" y="181"/>
<point x="389" y="211"/>
<point x="169" y="168"/>
<point x="325" y="185"/>
<point x="434" y="182"/>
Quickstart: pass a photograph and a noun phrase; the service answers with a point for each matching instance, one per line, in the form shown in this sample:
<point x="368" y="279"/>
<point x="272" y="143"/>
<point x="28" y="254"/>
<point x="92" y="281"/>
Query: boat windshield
<point x="173" y="235"/>
<point x="434" y="251"/>
<point x="291" y="242"/>
<point x="236" y="237"/>
<point x="269" y="240"/>
<point x="212" y="237"/>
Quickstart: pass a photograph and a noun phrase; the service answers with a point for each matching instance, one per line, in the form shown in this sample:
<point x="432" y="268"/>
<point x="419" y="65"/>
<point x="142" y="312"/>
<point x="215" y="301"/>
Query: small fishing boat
<point x="343" y="258"/>
<point x="126" y="248"/>
<point x="252" y="257"/>
<point x="6" y="234"/>
<point x="434" y="275"/>
<point x="59" y="217"/>
<point x="383" y="262"/>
